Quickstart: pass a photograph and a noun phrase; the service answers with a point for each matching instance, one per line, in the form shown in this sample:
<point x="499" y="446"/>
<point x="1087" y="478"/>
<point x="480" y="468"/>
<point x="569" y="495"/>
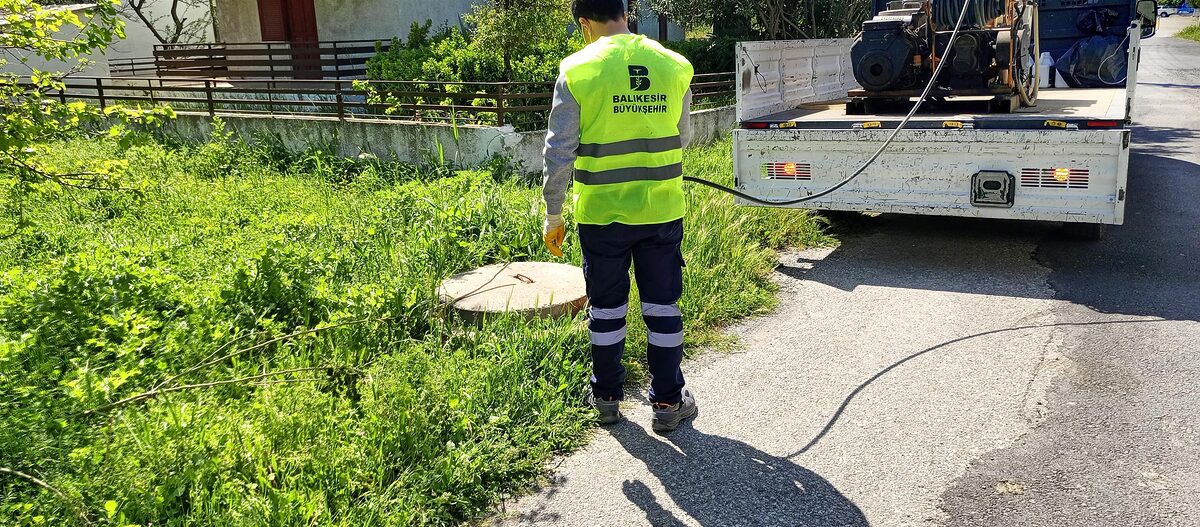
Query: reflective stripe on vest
<point x="628" y="168"/>
<point x="632" y="146"/>
<point x="626" y="175"/>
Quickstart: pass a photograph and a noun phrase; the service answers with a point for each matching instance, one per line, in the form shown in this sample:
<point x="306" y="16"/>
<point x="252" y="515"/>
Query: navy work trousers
<point x="654" y="251"/>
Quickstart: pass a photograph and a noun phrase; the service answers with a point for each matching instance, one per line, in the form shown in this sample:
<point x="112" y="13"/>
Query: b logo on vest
<point x="639" y="78"/>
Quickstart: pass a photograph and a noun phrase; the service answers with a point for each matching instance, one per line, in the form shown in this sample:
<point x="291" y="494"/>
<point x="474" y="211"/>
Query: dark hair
<point x="598" y="10"/>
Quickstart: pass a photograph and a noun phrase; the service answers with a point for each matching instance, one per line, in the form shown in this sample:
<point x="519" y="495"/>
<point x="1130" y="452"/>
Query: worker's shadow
<point x="720" y="482"/>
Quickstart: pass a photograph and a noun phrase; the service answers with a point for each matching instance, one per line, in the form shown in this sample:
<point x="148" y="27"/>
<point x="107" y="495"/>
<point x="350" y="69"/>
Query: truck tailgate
<point x="1058" y="175"/>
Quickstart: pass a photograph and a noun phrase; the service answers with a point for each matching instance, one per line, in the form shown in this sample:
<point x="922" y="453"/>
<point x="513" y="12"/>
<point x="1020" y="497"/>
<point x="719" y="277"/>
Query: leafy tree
<point x="769" y="19"/>
<point x="30" y="116"/>
<point x="519" y="27"/>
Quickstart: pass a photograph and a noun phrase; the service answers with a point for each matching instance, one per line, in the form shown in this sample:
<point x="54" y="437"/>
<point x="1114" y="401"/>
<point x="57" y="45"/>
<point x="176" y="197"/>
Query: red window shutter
<point x="272" y="20"/>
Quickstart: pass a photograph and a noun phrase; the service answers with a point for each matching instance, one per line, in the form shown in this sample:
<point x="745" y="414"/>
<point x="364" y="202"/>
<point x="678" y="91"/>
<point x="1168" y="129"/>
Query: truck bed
<point x="1057" y="108"/>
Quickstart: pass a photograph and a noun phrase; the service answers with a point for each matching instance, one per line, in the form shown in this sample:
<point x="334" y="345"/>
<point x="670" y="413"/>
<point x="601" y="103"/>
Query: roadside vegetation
<point x="232" y="334"/>
<point x="250" y="336"/>
<point x="524" y="40"/>
<point x="1191" y="32"/>
<point x="514" y="40"/>
<point x="488" y="49"/>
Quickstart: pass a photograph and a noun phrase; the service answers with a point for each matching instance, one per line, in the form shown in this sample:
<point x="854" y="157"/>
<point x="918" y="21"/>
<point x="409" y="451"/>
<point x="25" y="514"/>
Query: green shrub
<point x="91" y="323"/>
<point x="449" y="55"/>
<point x="707" y="56"/>
<point x="1191" y="33"/>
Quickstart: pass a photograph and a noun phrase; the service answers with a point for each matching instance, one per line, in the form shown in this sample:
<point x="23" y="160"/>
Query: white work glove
<point x="554" y="233"/>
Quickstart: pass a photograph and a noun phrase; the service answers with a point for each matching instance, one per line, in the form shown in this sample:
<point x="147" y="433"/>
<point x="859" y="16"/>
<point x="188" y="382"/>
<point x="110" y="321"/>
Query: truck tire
<point x="1092" y="232"/>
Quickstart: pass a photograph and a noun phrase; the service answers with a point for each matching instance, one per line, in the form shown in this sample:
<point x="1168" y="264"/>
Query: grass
<point x="1191" y="32"/>
<point x="284" y="304"/>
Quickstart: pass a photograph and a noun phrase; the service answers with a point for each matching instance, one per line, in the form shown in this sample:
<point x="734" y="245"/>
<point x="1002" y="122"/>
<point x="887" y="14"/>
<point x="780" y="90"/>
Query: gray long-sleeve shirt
<point x="562" y="142"/>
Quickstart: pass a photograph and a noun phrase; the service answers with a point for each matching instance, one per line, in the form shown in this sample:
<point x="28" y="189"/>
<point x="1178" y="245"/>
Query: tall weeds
<point x="314" y="278"/>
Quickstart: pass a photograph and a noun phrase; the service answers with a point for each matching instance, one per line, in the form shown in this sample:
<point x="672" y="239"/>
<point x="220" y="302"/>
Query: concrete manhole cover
<point x="530" y="289"/>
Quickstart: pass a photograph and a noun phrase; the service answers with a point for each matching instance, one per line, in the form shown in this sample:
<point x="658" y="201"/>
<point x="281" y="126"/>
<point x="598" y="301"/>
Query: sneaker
<point x="610" y="411"/>
<point x="668" y="417"/>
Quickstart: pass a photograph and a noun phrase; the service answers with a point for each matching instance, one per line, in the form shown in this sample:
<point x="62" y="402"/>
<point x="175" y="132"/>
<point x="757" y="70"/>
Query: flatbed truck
<point x="1065" y="160"/>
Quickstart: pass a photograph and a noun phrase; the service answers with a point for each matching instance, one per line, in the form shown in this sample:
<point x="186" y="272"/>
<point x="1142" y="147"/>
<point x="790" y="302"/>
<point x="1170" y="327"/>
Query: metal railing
<point x="713" y="90"/>
<point x="132" y="67"/>
<point x="524" y="105"/>
<point x="342" y="59"/>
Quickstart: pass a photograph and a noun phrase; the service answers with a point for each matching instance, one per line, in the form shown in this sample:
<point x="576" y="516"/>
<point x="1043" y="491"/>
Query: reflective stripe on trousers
<point x="662" y="321"/>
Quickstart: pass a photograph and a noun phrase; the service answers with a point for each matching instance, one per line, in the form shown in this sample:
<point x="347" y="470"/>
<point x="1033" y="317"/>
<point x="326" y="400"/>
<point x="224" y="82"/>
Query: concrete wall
<point x="408" y="141"/>
<point x="139" y="41"/>
<point x="237" y="20"/>
<point x="710" y="125"/>
<point x="22" y="62"/>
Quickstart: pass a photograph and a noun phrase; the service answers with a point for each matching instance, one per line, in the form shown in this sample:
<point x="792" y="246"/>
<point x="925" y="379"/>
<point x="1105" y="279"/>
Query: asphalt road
<point x="931" y="371"/>
<point x="1121" y="444"/>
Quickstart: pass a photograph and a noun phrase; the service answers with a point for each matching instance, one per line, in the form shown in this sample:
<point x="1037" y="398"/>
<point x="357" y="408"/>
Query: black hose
<point x="728" y="190"/>
<point x="924" y="95"/>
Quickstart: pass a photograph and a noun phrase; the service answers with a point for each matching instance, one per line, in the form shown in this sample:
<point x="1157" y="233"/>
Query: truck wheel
<point x="1092" y="232"/>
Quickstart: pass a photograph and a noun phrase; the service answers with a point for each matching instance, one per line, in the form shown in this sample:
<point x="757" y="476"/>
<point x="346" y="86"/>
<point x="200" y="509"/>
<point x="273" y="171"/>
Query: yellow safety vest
<point x="629" y="168"/>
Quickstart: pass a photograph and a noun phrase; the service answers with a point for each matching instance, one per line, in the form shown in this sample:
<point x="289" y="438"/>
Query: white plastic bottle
<point x="1046" y="69"/>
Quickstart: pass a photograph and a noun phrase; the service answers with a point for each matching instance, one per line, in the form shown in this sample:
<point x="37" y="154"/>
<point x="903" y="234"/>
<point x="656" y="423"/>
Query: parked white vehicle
<point x="1065" y="160"/>
<point x="1165" y="12"/>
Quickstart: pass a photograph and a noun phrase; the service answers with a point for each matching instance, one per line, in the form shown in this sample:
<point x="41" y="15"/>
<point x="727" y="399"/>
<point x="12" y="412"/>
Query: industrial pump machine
<point x="995" y="53"/>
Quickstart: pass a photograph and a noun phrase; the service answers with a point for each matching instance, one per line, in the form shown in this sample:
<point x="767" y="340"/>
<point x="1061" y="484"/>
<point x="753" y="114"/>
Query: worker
<point x="618" y="124"/>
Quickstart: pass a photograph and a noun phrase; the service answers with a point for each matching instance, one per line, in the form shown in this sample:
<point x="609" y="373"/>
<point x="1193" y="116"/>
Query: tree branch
<point x="138" y="9"/>
<point x="61" y="179"/>
<point x="179" y="23"/>
<point x="156" y="392"/>
<point x="262" y="345"/>
<point x="82" y="514"/>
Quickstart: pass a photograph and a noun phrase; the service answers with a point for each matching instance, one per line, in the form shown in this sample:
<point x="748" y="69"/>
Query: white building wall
<point x="139" y="41"/>
<point x="648" y="24"/>
<point x="381" y="19"/>
<point x="237" y="20"/>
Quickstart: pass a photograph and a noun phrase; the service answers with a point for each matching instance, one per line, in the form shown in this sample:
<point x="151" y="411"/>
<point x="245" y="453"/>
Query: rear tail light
<point x="1064" y="178"/>
<point x="787" y="170"/>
